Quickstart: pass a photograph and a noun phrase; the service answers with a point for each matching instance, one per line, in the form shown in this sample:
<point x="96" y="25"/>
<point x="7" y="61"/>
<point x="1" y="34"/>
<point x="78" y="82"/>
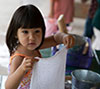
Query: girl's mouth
<point x="31" y="44"/>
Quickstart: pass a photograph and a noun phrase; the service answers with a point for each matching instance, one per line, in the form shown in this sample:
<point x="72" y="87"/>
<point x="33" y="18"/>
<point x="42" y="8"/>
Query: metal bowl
<point x="84" y="79"/>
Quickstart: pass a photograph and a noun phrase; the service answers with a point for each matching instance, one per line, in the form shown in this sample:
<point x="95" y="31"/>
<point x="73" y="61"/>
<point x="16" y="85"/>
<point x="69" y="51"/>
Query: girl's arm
<point x="18" y="68"/>
<point x="69" y="40"/>
<point x="16" y="74"/>
<point x="48" y="42"/>
<point x="58" y="38"/>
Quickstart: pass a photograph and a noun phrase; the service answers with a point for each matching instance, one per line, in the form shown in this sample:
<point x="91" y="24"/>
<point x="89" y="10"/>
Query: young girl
<point x="25" y="36"/>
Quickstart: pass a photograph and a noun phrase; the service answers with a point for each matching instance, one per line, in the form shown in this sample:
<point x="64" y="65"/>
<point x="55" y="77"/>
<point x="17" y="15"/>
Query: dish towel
<point x="49" y="73"/>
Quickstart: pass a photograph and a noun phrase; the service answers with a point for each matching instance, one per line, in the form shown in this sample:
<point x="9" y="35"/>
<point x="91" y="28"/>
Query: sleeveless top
<point x="25" y="83"/>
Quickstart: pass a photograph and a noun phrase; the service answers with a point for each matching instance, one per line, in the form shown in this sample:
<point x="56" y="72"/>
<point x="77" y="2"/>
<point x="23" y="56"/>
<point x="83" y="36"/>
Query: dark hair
<point x="26" y="16"/>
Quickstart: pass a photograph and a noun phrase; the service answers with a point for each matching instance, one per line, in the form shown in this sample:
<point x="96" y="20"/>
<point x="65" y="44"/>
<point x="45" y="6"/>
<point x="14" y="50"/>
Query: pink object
<point x="65" y="7"/>
<point x="51" y="26"/>
<point x="69" y="28"/>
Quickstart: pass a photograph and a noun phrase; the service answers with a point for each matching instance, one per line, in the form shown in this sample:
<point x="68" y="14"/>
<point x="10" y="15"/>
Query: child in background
<point x="25" y="36"/>
<point x="58" y="7"/>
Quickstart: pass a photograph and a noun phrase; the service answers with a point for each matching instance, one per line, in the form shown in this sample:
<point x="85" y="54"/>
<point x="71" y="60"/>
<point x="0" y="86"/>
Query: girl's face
<point x="29" y="38"/>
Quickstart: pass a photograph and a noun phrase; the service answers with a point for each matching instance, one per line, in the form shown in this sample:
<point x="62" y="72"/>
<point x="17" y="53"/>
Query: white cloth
<point x="49" y="73"/>
<point x="96" y="43"/>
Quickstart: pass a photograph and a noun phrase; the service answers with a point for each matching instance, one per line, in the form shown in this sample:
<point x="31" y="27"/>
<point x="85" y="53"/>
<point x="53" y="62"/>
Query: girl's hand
<point x="28" y="63"/>
<point x="69" y="41"/>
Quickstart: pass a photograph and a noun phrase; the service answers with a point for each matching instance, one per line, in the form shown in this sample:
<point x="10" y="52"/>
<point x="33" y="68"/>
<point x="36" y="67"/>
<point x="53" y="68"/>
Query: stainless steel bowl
<point x="85" y="79"/>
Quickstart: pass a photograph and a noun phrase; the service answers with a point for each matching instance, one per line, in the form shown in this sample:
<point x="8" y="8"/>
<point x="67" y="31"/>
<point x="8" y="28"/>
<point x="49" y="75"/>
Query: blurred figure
<point x="96" y="25"/>
<point x="88" y="31"/>
<point x="58" y="7"/>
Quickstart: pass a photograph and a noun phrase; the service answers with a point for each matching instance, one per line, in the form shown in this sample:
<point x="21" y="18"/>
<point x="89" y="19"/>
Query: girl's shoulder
<point x="15" y="61"/>
<point x="17" y="57"/>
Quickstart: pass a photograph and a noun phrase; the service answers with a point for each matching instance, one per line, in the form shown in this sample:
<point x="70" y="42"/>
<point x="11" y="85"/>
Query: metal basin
<point x="85" y="79"/>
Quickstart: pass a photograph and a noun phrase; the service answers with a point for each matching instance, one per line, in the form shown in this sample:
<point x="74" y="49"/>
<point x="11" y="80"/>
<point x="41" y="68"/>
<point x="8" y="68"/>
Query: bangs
<point x="31" y="21"/>
<point x="30" y="17"/>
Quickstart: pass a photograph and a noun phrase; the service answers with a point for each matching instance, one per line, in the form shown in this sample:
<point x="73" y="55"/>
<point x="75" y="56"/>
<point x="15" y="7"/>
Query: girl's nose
<point x="31" y="37"/>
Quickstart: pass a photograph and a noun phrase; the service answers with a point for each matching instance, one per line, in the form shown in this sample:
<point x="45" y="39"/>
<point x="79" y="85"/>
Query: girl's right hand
<point x="69" y="40"/>
<point x="28" y="63"/>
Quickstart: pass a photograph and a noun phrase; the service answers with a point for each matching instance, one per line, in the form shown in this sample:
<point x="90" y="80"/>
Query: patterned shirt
<point x="25" y="83"/>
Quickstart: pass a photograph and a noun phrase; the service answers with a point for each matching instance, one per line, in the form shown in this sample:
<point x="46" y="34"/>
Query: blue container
<point x="75" y="57"/>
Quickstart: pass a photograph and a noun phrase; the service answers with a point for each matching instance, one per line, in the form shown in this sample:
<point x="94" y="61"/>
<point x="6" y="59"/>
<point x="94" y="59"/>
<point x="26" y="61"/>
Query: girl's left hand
<point x="69" y="41"/>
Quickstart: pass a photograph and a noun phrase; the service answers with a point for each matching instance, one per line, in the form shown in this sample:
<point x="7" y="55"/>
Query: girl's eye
<point x="25" y="32"/>
<point x="37" y="31"/>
